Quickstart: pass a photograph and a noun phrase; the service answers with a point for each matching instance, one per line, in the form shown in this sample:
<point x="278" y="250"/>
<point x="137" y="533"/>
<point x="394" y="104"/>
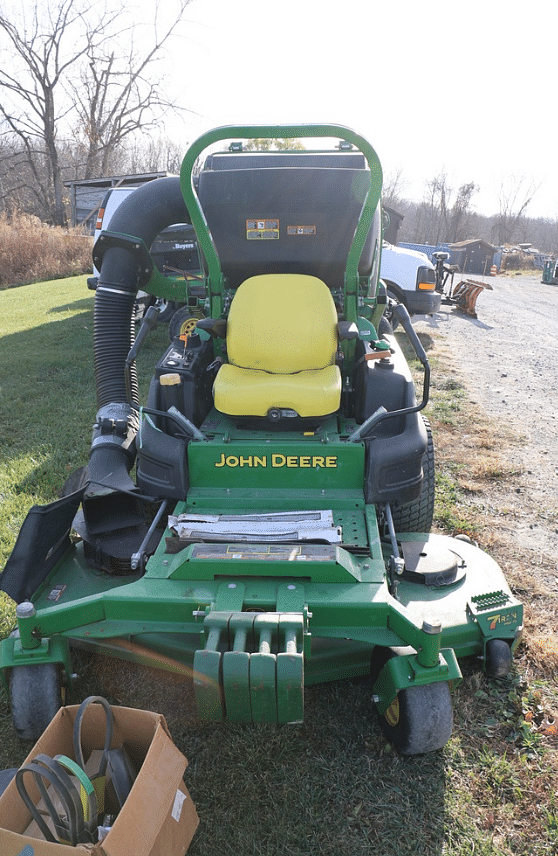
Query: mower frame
<point x="253" y="621"/>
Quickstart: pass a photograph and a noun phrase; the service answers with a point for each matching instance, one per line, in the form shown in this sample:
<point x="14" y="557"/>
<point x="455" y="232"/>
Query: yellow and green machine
<point x="262" y="521"/>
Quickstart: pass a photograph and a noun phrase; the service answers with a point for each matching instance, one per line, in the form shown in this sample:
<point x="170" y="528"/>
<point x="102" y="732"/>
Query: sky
<point x="466" y="89"/>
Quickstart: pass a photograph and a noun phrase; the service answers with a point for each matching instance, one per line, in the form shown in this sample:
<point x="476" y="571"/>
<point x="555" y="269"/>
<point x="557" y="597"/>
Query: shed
<point x="87" y="195"/>
<point x="473" y="256"/>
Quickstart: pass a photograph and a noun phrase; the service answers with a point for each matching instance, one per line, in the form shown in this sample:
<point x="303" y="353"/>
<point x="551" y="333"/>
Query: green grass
<point x="451" y="514"/>
<point x="332" y="785"/>
<point x="47" y="396"/>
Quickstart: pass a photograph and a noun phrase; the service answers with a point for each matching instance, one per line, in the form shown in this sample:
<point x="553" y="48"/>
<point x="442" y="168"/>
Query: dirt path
<point x="507" y="358"/>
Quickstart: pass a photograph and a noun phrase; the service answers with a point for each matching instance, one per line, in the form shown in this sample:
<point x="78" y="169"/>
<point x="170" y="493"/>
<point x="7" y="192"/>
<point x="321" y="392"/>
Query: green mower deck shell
<point x="355" y="605"/>
<point x="253" y="621"/>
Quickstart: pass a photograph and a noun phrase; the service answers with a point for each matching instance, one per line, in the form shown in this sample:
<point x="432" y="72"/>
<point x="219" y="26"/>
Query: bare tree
<point x="460" y="210"/>
<point x="153" y="155"/>
<point x="62" y="70"/>
<point x="117" y="93"/>
<point x="442" y="217"/>
<point x="29" y="83"/>
<point x="420" y="223"/>
<point x="432" y="213"/>
<point x="265" y="144"/>
<point x="393" y="187"/>
<point x="515" y="196"/>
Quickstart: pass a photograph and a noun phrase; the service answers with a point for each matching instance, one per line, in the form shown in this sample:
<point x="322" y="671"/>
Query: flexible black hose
<point x="114" y="336"/>
<point x="143" y="214"/>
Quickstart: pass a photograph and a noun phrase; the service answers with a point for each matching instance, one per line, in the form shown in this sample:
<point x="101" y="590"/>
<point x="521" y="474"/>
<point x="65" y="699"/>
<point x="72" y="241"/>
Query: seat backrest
<point x="273" y="219"/>
<point x="282" y="324"/>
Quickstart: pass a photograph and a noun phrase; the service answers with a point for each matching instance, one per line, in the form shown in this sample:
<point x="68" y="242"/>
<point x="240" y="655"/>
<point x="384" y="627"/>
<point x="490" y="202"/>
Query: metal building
<point x="473" y="256"/>
<point x="87" y="195"/>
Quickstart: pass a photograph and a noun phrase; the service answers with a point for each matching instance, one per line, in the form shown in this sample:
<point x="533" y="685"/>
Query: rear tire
<point x="395" y="298"/>
<point x="384" y="328"/>
<point x="417" y="516"/>
<point x="36" y="696"/>
<point x="166" y="308"/>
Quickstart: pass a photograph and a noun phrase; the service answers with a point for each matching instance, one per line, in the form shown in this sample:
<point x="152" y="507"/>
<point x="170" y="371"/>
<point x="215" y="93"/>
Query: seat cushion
<point x="247" y="392"/>
<point x="281" y="347"/>
<point x="282" y="323"/>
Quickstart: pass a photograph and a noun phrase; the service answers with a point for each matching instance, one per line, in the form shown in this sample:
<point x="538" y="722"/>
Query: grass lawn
<point x="331" y="785"/>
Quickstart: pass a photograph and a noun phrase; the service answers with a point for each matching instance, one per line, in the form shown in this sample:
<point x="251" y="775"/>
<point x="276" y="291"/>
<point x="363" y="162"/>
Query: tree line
<point x="80" y="97"/>
<point x="447" y="215"/>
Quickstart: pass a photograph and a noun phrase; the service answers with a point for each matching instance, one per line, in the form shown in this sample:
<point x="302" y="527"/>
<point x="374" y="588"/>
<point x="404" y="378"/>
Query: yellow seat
<point x="281" y="347"/>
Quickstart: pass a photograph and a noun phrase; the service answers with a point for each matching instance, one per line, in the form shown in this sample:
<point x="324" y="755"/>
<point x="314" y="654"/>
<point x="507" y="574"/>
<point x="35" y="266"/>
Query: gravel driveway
<point x="507" y="359"/>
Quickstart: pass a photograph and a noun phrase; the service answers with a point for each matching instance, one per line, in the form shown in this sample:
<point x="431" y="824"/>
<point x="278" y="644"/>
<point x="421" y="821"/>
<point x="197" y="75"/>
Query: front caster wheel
<point x="498" y="658"/>
<point x="420" y="718"/>
<point x="36" y="696"/>
<point x="182" y="323"/>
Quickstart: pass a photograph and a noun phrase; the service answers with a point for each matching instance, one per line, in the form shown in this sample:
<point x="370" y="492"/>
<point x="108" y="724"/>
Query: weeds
<point x="32" y="251"/>
<point x="451" y="514"/>
<point x="448" y="402"/>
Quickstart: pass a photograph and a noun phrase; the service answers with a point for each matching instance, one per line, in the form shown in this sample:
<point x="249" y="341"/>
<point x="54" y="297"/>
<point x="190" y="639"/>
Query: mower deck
<point x="323" y="606"/>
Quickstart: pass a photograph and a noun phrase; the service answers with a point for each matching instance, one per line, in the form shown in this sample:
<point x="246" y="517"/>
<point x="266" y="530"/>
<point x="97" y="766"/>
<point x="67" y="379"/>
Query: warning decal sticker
<point x="262" y="230"/>
<point x="301" y="230"/>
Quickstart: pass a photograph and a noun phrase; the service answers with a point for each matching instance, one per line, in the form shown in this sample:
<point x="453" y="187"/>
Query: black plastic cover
<point x="285" y="220"/>
<point x="300" y="159"/>
<point x="162" y="468"/>
<point x="42" y="541"/>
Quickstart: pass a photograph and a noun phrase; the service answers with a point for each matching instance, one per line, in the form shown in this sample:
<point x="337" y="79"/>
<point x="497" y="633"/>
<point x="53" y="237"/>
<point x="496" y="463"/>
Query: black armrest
<point x="216" y="327"/>
<point x="347" y="330"/>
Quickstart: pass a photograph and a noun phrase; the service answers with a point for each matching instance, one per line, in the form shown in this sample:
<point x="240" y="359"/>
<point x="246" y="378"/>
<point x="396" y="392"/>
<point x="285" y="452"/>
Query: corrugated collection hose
<point x="143" y="214"/>
<point x="137" y="222"/>
<point x="114" y="336"/>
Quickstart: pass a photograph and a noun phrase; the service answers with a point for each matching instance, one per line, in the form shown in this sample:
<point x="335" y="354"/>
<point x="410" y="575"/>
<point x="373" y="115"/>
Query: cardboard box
<point x="158" y="818"/>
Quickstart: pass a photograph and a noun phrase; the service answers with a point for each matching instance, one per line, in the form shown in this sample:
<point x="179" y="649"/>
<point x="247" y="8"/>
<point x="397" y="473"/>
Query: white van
<point x="410" y="279"/>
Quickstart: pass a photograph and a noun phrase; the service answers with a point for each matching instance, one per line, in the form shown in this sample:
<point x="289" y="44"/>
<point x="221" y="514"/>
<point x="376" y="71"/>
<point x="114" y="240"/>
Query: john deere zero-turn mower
<point x="262" y="520"/>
